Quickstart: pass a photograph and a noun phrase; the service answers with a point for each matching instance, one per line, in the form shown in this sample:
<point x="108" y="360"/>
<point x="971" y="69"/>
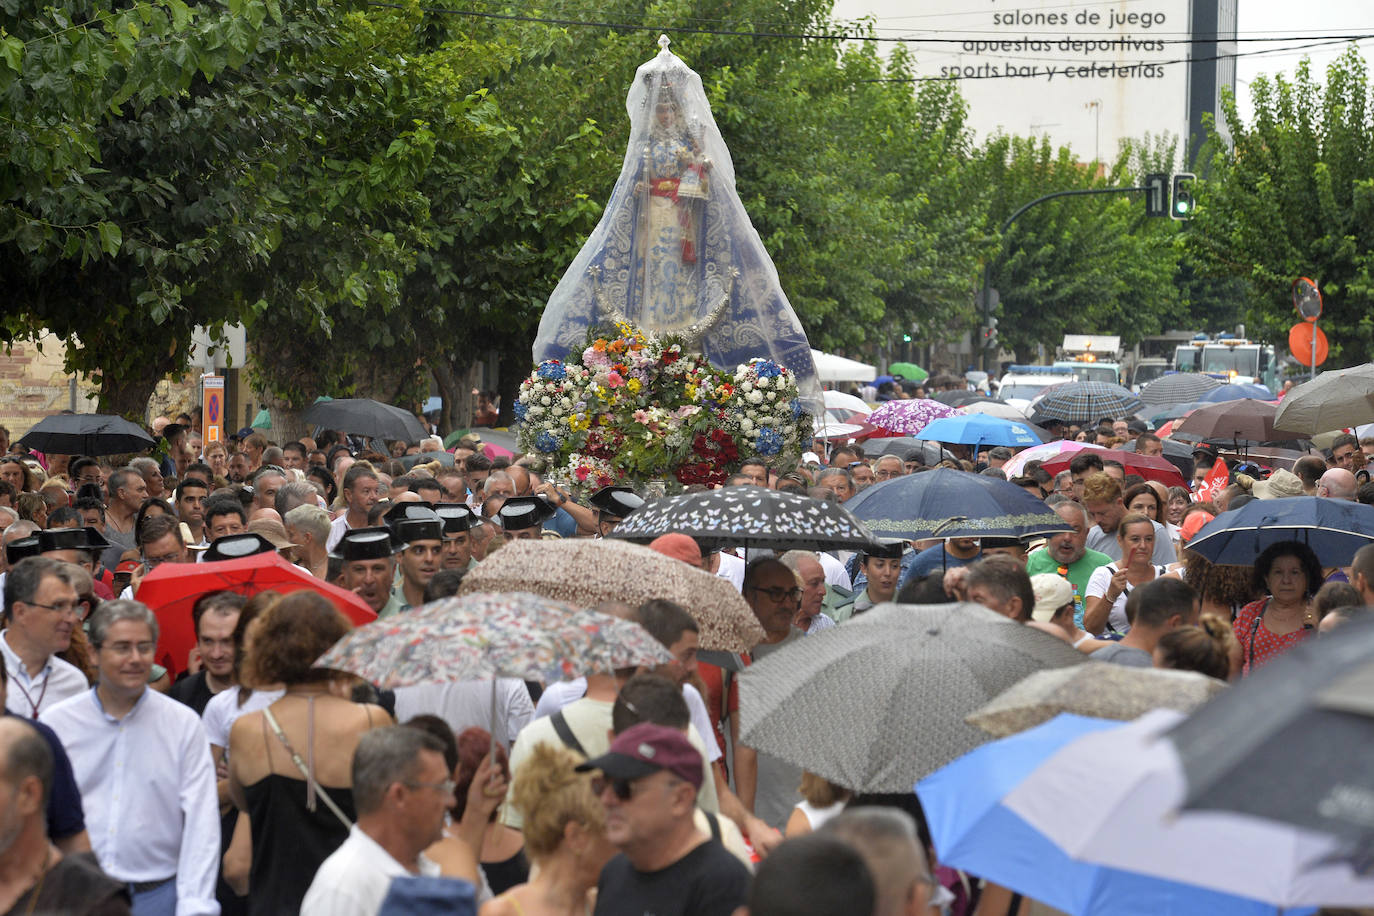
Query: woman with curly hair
<point x="1224" y="589"/>
<point x="1290" y="574"/>
<point x="565" y="837"/>
<point x="290" y="764"/>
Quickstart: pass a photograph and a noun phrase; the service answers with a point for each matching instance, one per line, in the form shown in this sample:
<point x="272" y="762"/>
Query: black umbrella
<point x="86" y="434"/>
<point x="365" y="417"/>
<point x="901" y="446"/>
<point x="950" y="504"/>
<point x="749" y="516"/>
<point x="1291" y="741"/>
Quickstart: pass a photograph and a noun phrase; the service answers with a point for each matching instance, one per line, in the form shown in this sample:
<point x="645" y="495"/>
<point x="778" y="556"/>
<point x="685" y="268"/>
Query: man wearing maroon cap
<point x="648" y="785"/>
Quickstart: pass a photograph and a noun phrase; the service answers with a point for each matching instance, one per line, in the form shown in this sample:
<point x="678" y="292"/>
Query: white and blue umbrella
<point x="1112" y="798"/>
<point x="973" y="831"/>
<point x="980" y="430"/>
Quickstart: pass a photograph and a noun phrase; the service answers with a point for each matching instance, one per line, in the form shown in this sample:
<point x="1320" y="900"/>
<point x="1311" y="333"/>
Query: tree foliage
<point x="1294" y="196"/>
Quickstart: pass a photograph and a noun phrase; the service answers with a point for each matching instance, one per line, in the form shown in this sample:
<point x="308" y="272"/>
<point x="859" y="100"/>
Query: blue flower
<point x="796" y="407"/>
<point x="767" y="369"/>
<point x="546" y="442"/>
<point x="769" y="441"/>
<point x="519" y="410"/>
<point x="552" y="369"/>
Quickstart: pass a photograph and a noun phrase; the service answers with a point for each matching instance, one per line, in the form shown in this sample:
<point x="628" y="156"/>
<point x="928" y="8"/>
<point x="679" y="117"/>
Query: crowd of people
<point x="241" y="779"/>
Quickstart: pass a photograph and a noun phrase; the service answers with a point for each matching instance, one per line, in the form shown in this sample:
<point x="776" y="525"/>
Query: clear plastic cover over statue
<point x="675" y="252"/>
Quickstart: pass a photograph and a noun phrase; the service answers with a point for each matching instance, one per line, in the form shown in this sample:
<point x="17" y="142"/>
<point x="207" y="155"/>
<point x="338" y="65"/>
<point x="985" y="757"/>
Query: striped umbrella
<point x="1178" y="388"/>
<point x="1086" y="402"/>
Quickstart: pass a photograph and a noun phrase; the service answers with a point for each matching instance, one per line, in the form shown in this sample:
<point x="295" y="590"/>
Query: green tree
<point x="1091" y="264"/>
<point x="1293" y="196"/>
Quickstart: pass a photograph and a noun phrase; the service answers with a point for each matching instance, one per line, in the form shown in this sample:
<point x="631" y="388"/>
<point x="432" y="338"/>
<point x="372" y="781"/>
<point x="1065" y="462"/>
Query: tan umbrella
<point x="586" y="572"/>
<point x="1101" y="690"/>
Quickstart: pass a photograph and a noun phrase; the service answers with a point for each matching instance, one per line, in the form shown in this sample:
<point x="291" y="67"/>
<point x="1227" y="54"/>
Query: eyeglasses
<point x="447" y="787"/>
<point x="66" y="607"/>
<point x="779" y="594"/>
<point x="125" y="649"/>
<point x="154" y="562"/>
<point x="624" y="789"/>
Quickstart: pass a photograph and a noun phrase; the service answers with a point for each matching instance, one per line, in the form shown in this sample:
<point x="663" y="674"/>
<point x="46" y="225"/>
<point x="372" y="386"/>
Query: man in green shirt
<point x="1067" y="553"/>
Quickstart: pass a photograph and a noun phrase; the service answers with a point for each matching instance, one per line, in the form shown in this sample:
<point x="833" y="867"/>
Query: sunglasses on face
<point x="624" y="789"/>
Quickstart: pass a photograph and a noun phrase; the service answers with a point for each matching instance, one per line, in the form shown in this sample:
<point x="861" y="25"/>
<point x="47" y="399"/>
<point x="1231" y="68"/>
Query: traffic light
<point x="1183" y="205"/>
<point x="987" y="334"/>
<point x="1156" y="194"/>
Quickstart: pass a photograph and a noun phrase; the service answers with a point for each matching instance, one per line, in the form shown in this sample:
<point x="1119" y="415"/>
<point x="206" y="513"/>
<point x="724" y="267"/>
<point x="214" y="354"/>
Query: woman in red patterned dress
<point x="1290" y="574"/>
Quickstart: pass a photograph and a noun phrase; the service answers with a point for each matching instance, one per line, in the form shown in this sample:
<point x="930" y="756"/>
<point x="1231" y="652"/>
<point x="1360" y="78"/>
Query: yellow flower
<point x="634" y="385"/>
<point x="691" y="392"/>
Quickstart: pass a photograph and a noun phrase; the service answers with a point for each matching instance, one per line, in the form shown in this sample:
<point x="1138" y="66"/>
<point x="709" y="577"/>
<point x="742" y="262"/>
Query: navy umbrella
<point x="1224" y="393"/>
<point x="950" y="504"/>
<point x="1333" y="528"/>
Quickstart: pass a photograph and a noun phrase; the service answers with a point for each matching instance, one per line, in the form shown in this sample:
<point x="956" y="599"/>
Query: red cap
<point x="678" y="546"/>
<point x="127" y="566"/>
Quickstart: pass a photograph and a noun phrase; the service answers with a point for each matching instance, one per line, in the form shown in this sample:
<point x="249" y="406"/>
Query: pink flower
<point x="613" y="380"/>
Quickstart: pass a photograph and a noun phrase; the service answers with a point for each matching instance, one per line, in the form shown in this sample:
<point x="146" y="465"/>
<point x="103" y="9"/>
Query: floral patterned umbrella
<point x="911" y="416"/>
<point x="484" y="636"/>
<point x="587" y="572"/>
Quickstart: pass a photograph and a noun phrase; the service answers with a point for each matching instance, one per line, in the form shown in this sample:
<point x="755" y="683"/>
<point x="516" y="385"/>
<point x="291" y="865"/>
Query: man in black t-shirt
<point x="215" y="616"/>
<point x="648" y="784"/>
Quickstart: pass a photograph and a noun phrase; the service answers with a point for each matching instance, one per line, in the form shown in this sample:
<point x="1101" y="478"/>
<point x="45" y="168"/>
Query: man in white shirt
<point x="402" y="790"/>
<point x="360" y="491"/>
<point x="142" y="762"/>
<point x="40" y="612"/>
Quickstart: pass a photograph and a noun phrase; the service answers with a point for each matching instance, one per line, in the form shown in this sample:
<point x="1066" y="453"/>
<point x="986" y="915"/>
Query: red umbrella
<point x="172" y="589"/>
<point x="1146" y="466"/>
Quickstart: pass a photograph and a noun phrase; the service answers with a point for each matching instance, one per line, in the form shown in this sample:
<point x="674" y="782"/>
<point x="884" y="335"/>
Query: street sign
<point x="1307" y="342"/>
<point x="1157" y="194"/>
<point x="212" y="408"/>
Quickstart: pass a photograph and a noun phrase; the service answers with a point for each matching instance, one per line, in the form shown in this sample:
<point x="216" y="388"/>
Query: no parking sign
<point x="212" y="408"/>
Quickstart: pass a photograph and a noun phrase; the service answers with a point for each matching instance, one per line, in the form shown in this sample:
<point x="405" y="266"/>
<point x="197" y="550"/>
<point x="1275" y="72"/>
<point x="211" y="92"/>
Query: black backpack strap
<point x="715" y="825"/>
<point x="565" y="733"/>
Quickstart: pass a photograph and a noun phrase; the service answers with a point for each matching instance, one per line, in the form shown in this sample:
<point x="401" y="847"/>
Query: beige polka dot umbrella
<point x="586" y="572"/>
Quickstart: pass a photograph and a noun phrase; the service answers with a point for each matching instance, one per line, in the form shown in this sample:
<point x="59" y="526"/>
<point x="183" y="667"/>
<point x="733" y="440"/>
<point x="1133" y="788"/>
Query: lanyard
<point x="28" y="698"/>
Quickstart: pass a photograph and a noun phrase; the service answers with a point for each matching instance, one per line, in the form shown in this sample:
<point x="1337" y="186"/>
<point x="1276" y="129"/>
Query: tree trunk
<point x="450" y="391"/>
<point x="511" y="371"/>
<point x="127" y="394"/>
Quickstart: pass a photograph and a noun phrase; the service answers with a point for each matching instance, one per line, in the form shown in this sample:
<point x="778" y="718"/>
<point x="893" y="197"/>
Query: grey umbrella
<point x="1333" y="400"/>
<point x="878" y="703"/>
<point x="1291" y="741"/>
<point x="1178" y="388"/>
<point x="365" y="417"/>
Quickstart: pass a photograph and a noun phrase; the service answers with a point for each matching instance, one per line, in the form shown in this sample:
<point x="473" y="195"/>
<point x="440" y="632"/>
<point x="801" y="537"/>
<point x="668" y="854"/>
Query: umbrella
<point x="1290" y="742"/>
<point x="839" y="400"/>
<point x="995" y="408"/>
<point x="1333" y="400"/>
<point x="1127" y="820"/>
<point x="587" y="572"/>
<point x="930" y="452"/>
<point x="1223" y="393"/>
<point x="1333" y="528"/>
<point x="1100" y="691"/>
<point x="749" y="517"/>
<point x="1086" y="402"/>
<point x="86" y="434"/>
<point x="958" y="397"/>
<point x="365" y="417"/>
<point x="1176" y="412"/>
<point x="979" y="430"/>
<point x="1043" y="453"/>
<point x="172" y="589"/>
<point x="1245" y="418"/>
<point x="826" y="428"/>
<point x="909" y="371"/>
<point x="848" y="703"/>
<point x="974" y="832"/>
<point x="909" y="417"/>
<point x="948" y="503"/>
<point x="1146" y="466"/>
<point x="481" y="636"/>
<point x="1177" y="388"/>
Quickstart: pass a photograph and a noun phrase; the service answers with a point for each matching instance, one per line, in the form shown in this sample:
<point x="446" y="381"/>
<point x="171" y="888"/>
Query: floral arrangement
<point x="635" y="407"/>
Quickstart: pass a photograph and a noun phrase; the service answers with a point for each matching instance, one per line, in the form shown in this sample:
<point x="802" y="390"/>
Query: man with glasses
<point x="888" y="467"/>
<point x="648" y="786"/>
<point x="41" y="611"/>
<point x="147" y="783"/>
<point x="402" y="790"/>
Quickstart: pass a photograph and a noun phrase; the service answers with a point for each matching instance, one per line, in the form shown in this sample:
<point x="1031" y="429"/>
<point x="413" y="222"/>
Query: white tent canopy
<point x="832" y="368"/>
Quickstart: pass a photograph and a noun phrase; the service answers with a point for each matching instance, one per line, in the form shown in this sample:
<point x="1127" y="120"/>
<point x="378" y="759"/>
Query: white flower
<point x="772" y="395"/>
<point x="746" y="424"/>
<point x="754" y="397"/>
<point x="546" y="400"/>
<point x="746" y="387"/>
<point x="762" y="382"/>
<point x="566" y="403"/>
